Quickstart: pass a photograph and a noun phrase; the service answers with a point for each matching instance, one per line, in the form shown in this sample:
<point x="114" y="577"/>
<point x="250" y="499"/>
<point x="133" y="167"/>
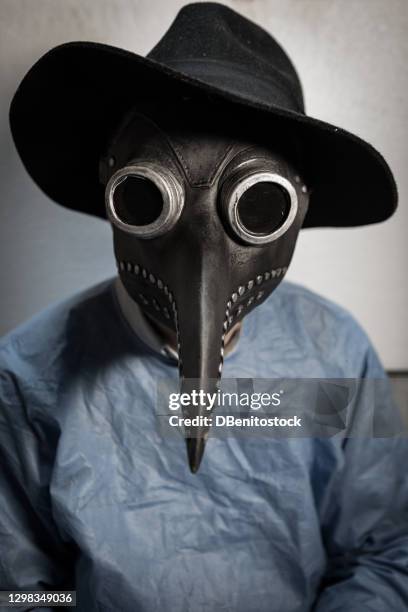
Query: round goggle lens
<point x="137" y="201"/>
<point x="263" y="208"/>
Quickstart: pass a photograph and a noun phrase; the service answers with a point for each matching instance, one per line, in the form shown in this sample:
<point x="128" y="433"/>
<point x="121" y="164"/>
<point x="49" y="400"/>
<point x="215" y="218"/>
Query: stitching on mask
<point x="239" y="293"/>
<point x="241" y="290"/>
<point x="138" y="270"/>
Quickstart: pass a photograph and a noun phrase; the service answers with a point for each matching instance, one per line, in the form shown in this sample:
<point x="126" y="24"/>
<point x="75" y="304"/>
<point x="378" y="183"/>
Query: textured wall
<point x="352" y="58"/>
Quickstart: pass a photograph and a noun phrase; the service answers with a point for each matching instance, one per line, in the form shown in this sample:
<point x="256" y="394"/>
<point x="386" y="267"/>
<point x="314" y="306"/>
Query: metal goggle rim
<point x="234" y="189"/>
<point x="170" y="189"/>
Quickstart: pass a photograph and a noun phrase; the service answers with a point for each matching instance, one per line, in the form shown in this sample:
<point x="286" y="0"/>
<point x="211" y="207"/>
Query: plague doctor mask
<point x="204" y="226"/>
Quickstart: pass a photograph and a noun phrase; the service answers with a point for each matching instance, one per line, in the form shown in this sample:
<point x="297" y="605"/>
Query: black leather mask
<point x="204" y="228"/>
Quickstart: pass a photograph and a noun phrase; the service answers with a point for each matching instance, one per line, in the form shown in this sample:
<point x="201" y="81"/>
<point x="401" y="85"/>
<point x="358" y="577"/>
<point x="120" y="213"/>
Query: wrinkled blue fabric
<point x="93" y="498"/>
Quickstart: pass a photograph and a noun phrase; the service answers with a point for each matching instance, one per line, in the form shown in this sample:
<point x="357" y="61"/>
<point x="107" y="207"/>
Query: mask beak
<point x="200" y="323"/>
<point x="195" y="452"/>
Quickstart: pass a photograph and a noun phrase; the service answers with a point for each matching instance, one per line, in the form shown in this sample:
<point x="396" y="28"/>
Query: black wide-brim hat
<point x="66" y="107"/>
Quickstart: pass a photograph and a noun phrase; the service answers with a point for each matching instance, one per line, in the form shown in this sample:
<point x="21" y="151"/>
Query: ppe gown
<point x="94" y="498"/>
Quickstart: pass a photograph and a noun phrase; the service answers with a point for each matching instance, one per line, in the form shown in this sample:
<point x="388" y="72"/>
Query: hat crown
<point x="207" y="36"/>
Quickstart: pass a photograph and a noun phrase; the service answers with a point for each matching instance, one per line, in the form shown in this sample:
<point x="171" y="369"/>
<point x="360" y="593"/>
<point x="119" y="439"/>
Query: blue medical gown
<point x="94" y="498"/>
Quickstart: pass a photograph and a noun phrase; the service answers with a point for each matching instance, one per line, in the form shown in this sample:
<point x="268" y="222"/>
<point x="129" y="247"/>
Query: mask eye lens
<point x="263" y="208"/>
<point x="144" y="200"/>
<point x="259" y="206"/>
<point x="137" y="201"/>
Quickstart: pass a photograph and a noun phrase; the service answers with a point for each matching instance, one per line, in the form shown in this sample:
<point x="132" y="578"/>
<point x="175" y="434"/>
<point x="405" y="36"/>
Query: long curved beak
<point x="201" y="335"/>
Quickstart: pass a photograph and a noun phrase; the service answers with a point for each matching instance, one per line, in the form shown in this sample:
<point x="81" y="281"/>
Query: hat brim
<point x="70" y="101"/>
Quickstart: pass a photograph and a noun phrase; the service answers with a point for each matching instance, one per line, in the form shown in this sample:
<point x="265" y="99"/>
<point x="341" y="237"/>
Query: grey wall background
<point x="352" y="57"/>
